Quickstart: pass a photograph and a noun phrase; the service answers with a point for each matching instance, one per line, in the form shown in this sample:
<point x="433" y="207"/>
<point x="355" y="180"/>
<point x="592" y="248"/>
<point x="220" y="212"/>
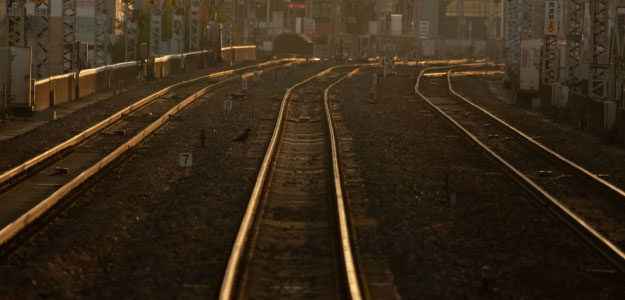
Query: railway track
<point x="294" y="240"/>
<point x="587" y="204"/>
<point x="31" y="189"/>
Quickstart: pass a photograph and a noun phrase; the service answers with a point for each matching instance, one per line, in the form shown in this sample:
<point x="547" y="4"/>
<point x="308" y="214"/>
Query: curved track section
<point x="294" y="239"/>
<point x="587" y="204"/>
<point x="10" y="177"/>
<point x="31" y="189"/>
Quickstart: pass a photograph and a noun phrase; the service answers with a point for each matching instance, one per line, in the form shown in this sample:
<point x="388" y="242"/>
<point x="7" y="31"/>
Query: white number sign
<point x="186" y="159"/>
<point x="228" y="105"/>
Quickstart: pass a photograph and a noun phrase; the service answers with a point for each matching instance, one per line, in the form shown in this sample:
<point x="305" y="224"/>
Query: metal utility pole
<point x="69" y="34"/>
<point x="502" y="23"/>
<point x="406" y="12"/>
<point x="598" y="75"/>
<point x="42" y="64"/>
<point x="513" y="37"/>
<point x="416" y="26"/>
<point x="527" y="19"/>
<point x="575" y="10"/>
<point x="460" y="10"/>
<point x="177" y="30"/>
<point x="490" y="12"/>
<point x="268" y="16"/>
<point x="156" y="14"/>
<point x="16" y="16"/>
<point x="130" y="31"/>
<point x="338" y="40"/>
<point x="100" y="33"/>
<point x="194" y="25"/>
<point x="551" y="64"/>
<point x="416" y="18"/>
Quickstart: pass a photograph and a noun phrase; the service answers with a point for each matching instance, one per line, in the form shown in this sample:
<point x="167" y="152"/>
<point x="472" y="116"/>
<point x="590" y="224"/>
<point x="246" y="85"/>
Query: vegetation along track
<point x="589" y="205"/>
<point x="31" y="189"/>
<point x="294" y="240"/>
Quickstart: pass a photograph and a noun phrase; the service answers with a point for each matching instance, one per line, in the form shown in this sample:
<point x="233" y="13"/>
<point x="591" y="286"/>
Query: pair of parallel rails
<point x="252" y="272"/>
<point x="309" y="132"/>
<point x="300" y="176"/>
<point x="295" y="240"/>
<point x="29" y="190"/>
<point x="589" y="205"/>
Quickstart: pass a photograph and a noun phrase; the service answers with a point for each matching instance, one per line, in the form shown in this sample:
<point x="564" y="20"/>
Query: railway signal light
<point x="134" y="15"/>
<point x="261" y="10"/>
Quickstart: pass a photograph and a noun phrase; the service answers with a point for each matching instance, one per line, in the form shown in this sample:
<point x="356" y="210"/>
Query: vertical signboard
<point x="310" y="26"/>
<point x="424" y="28"/>
<point x="551" y="17"/>
<point x="226" y="34"/>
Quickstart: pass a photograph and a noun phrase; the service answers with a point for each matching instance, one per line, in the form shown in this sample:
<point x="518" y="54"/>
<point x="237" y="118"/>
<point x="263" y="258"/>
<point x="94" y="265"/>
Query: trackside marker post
<point x="186" y="161"/>
<point x="228" y="105"/>
<point x="374" y="88"/>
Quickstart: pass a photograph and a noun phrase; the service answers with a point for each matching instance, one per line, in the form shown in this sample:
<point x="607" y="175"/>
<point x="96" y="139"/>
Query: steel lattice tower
<point x="156" y="15"/>
<point x="598" y="75"/>
<point x="100" y="33"/>
<point x="575" y="10"/>
<point x="177" y="23"/>
<point x="551" y="59"/>
<point x="194" y="25"/>
<point x="130" y="32"/>
<point x="69" y="34"/>
<point x="513" y="37"/>
<point x="527" y="19"/>
<point x="551" y="65"/>
<point x="15" y="19"/>
<point x="42" y="64"/>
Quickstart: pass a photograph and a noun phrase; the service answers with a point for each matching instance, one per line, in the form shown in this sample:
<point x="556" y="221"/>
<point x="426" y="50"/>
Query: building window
<point x="322" y="10"/>
<point x="473" y="9"/>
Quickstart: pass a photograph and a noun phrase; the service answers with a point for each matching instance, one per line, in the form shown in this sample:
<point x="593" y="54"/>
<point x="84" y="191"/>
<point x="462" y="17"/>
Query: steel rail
<point x="12" y="229"/>
<point x="583" y="230"/>
<point x="77" y="139"/>
<point x="238" y="249"/>
<point x="606" y="187"/>
<point x="348" y="255"/>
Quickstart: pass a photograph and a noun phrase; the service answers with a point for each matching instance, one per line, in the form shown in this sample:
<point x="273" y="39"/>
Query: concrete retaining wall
<point x="596" y="116"/>
<point x="60" y="89"/>
<point x="238" y="53"/>
<point x="167" y="65"/>
<point x="194" y="61"/>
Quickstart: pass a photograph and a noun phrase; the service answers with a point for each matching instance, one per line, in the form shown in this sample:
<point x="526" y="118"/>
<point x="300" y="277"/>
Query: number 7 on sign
<point x="186" y="159"/>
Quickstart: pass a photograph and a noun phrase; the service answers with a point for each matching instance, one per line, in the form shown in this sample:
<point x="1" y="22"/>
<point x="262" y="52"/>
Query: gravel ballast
<point x="146" y="230"/>
<point x="595" y="153"/>
<point x="25" y="146"/>
<point x="493" y="241"/>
